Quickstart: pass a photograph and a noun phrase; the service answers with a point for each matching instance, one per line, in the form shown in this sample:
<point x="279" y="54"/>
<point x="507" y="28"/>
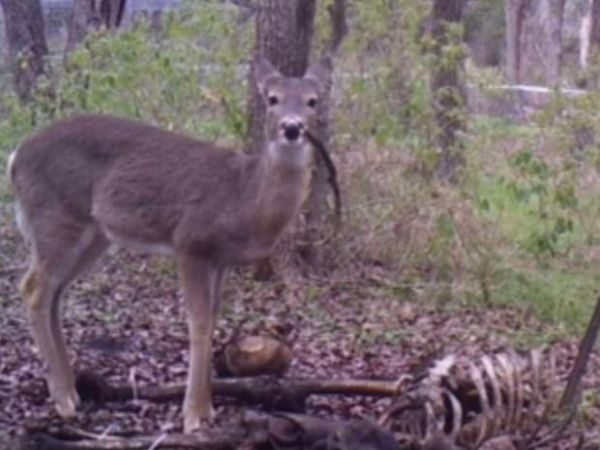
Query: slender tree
<point x="93" y="14"/>
<point x="554" y="31"/>
<point x="515" y="10"/>
<point x="447" y="87"/>
<point x="27" y="48"/>
<point x="595" y="27"/>
<point x="589" y="42"/>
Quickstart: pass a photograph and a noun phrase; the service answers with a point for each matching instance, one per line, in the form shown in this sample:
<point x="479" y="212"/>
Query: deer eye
<point x="312" y="102"/>
<point x="273" y="100"/>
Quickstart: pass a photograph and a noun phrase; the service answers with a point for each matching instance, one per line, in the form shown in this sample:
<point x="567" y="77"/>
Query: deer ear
<point x="263" y="71"/>
<point x="319" y="72"/>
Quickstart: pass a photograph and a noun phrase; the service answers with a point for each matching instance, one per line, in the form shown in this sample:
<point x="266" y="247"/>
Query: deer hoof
<point x="198" y="422"/>
<point x="67" y="406"/>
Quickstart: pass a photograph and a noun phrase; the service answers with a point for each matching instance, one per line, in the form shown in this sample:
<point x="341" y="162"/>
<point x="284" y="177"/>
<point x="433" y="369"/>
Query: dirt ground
<point x="126" y="321"/>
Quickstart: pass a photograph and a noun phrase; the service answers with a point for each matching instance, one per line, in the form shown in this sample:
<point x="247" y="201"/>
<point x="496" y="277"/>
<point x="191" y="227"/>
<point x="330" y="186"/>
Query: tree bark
<point x="27" y="48"/>
<point x="541" y="42"/>
<point x="534" y="41"/>
<point x="447" y="89"/>
<point x="284" y="33"/>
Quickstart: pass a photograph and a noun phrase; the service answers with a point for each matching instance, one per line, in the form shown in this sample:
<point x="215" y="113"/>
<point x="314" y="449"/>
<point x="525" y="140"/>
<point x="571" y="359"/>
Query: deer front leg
<point x="200" y="281"/>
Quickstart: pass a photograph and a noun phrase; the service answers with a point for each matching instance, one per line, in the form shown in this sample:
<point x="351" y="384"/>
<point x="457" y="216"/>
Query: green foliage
<point x="385" y="90"/>
<point x="180" y="79"/>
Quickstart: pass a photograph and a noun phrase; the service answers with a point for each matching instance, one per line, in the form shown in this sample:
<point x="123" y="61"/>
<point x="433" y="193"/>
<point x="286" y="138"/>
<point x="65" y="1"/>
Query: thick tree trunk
<point x="26" y="41"/>
<point x="448" y="90"/>
<point x="284" y="33"/>
<point x="534" y="41"/>
<point x="541" y="42"/>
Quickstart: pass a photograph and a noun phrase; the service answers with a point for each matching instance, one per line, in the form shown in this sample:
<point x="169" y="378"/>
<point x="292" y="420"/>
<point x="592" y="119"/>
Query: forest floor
<point x="126" y="321"/>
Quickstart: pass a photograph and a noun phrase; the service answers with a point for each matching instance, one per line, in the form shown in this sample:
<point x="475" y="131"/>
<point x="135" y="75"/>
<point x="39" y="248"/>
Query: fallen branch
<point x="272" y="393"/>
<point x="43" y="441"/>
<point x="277" y="431"/>
<point x="569" y="396"/>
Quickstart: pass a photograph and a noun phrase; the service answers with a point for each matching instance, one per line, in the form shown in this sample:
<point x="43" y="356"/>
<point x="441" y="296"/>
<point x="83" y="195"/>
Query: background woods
<point x="466" y="138"/>
<point x="26" y="43"/>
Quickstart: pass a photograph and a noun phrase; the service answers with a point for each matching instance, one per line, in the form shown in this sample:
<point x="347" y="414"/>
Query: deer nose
<point x="292" y="129"/>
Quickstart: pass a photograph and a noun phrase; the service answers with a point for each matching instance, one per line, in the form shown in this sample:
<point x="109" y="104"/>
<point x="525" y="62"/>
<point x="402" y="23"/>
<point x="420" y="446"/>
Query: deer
<point x="90" y="182"/>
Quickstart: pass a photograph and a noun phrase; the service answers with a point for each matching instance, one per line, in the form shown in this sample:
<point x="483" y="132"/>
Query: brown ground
<point x="127" y="322"/>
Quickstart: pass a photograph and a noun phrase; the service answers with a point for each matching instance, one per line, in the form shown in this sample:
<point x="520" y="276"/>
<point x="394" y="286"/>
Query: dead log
<point x="279" y="431"/>
<point x="272" y="393"/>
<point x="43" y="441"/>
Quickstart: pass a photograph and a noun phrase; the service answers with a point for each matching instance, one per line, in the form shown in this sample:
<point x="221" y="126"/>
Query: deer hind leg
<point x="55" y="263"/>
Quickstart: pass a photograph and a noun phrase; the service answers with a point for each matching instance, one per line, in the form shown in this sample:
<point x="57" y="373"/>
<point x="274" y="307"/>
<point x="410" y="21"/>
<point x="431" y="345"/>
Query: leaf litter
<point x="126" y="321"/>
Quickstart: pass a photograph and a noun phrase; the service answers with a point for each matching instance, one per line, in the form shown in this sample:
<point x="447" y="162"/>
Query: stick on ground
<point x="270" y="392"/>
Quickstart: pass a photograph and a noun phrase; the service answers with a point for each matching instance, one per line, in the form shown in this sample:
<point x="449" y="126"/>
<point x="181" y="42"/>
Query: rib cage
<point x="471" y="400"/>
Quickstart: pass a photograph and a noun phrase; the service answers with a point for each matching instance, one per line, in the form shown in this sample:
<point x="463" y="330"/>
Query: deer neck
<point x="281" y="183"/>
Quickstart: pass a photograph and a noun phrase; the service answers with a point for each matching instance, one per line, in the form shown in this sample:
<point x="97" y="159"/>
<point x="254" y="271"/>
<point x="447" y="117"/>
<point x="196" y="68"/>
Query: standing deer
<point x="91" y="181"/>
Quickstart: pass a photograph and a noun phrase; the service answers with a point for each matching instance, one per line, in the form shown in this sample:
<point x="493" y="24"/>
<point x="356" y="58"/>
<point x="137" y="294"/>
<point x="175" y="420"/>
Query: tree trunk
<point x="83" y="18"/>
<point x="514" y="30"/>
<point x="111" y="12"/>
<point x="541" y="42"/>
<point x="447" y="89"/>
<point x="554" y="28"/>
<point x="585" y="32"/>
<point x="284" y="33"/>
<point x="91" y="15"/>
<point x="534" y="41"/>
<point x="589" y="45"/>
<point x="24" y="24"/>
<point x="595" y="25"/>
